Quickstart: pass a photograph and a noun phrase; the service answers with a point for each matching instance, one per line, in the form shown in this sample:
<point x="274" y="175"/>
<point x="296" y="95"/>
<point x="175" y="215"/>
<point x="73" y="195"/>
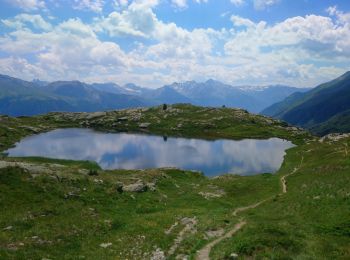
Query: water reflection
<point x="132" y="151"/>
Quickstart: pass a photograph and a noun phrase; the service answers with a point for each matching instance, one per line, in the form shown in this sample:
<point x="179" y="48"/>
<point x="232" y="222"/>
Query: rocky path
<point x="203" y="254"/>
<point x="284" y="178"/>
<point x="238" y="210"/>
<point x="189" y="227"/>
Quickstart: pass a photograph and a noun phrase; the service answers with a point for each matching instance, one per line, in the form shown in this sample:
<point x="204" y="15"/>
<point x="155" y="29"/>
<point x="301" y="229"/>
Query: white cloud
<point x="91" y="5"/>
<point x="28" y="5"/>
<point x="180" y="3"/>
<point x="22" y="20"/>
<point x="137" y="20"/>
<point x="240" y="21"/>
<point x="289" y="52"/>
<point x="120" y="3"/>
<point x="316" y="34"/>
<point x="341" y="16"/>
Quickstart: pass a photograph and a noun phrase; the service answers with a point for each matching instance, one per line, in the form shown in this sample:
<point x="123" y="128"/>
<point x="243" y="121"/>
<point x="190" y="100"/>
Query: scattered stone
<point x="83" y="171"/>
<point x="158" y="255"/>
<point x="182" y="257"/>
<point x="98" y="181"/>
<point x="233" y="256"/>
<point x="105" y="245"/>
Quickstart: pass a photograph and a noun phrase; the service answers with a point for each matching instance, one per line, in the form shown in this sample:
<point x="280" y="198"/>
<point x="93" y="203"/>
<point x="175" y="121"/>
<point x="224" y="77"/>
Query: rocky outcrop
<point x="333" y="137"/>
<point x="138" y="186"/>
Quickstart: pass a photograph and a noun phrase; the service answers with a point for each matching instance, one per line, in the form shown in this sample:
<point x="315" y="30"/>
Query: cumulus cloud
<point x="137" y="20"/>
<point x="299" y="51"/>
<point x="28" y="5"/>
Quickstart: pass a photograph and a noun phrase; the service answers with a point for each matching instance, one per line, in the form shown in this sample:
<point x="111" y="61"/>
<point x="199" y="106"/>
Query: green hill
<point x="316" y="108"/>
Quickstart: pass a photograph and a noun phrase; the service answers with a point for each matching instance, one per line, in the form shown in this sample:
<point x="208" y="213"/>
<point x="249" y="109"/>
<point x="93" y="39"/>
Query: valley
<point x="73" y="209"/>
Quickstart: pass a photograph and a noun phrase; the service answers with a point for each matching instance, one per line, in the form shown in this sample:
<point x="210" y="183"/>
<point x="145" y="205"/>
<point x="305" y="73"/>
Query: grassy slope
<point x="70" y="216"/>
<point x="310" y="221"/>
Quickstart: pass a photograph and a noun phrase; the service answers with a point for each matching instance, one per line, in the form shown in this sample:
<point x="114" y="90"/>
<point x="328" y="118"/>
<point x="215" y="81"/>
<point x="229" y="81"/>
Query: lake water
<point x="136" y="151"/>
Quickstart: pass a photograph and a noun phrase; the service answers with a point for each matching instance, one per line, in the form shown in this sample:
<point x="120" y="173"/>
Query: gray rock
<point x="138" y="186"/>
<point x="214" y="233"/>
<point x="144" y="125"/>
<point x="105" y="245"/>
<point x="95" y="115"/>
<point x="151" y="186"/>
<point x="158" y="255"/>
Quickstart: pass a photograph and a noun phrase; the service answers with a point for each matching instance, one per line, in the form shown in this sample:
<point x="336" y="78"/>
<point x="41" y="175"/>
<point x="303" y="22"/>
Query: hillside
<point x="314" y="108"/>
<point x="73" y="209"/>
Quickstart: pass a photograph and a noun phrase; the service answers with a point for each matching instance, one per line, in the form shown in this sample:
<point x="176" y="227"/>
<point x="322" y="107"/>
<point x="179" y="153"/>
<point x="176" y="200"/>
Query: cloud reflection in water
<point x="133" y="151"/>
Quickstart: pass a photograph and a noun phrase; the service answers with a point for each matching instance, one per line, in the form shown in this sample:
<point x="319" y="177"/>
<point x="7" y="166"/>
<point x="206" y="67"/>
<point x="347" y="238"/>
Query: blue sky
<point x="155" y="42"/>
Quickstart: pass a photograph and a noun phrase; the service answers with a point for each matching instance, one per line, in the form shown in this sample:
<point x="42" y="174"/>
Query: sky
<point x="151" y="43"/>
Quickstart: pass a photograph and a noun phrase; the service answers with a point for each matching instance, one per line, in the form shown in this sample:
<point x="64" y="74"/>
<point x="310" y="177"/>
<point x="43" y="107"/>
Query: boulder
<point x="138" y="186"/>
<point x="144" y="125"/>
<point x="95" y="115"/>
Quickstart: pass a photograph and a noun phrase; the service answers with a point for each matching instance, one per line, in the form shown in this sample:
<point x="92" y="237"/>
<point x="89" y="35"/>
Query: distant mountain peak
<point x="213" y="81"/>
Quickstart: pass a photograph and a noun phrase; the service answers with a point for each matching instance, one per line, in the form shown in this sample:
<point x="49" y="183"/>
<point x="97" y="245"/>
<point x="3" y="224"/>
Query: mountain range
<point x="324" y="109"/>
<point x="24" y="98"/>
